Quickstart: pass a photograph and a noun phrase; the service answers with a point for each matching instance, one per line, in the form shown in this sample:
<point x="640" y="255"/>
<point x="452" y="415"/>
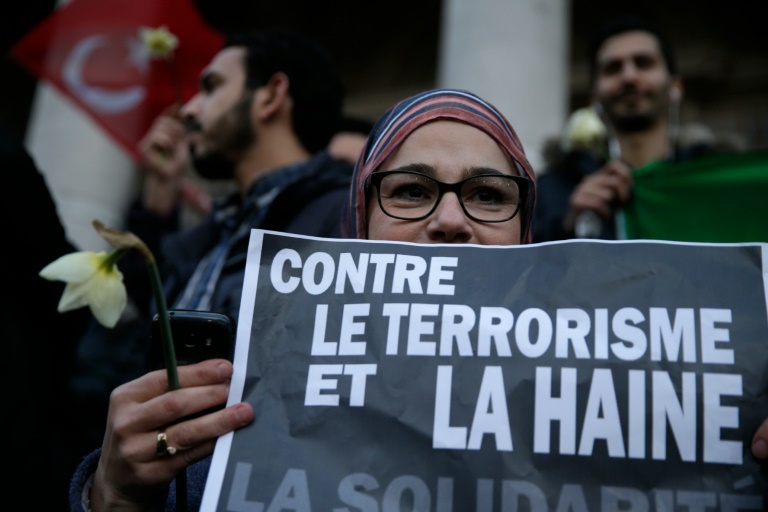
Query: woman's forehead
<point x="451" y="147"/>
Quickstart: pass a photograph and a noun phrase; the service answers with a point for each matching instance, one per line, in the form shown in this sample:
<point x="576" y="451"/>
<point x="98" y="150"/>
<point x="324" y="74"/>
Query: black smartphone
<point x="197" y="336"/>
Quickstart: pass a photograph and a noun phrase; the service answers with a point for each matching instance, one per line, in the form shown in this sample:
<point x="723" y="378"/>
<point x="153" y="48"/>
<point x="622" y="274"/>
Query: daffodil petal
<point x="76" y="295"/>
<point x="158" y="42"/>
<point x="108" y="299"/>
<point x="76" y="267"/>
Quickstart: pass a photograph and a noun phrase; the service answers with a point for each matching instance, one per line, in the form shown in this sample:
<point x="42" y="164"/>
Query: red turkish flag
<point x="90" y="50"/>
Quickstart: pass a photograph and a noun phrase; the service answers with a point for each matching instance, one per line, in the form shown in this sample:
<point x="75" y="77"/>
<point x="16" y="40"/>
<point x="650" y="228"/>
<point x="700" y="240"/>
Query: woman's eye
<point x="486" y="195"/>
<point x="410" y="192"/>
<point x="490" y="191"/>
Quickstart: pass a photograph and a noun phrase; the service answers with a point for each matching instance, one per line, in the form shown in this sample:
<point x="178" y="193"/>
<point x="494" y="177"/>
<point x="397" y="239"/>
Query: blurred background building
<point x="528" y="57"/>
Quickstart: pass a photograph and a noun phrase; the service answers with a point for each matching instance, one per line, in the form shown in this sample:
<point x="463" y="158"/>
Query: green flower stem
<point x="169" y="353"/>
<point x="124" y="241"/>
<point x="176" y="84"/>
<point x="111" y="258"/>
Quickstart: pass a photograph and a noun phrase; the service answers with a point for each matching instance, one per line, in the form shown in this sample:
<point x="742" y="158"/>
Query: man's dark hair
<point x="315" y="87"/>
<point x="622" y="24"/>
<point x="354" y="124"/>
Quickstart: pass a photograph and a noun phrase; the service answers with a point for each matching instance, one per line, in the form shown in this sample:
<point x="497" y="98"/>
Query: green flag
<point x="720" y="198"/>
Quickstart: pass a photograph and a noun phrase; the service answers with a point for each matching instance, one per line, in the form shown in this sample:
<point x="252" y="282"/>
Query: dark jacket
<point x="310" y="204"/>
<point x="554" y="189"/>
<point x="197" y="475"/>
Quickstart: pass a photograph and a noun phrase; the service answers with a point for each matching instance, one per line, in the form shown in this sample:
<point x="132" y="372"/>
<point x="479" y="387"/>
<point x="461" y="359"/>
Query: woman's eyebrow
<point x="475" y="171"/>
<point x="467" y="172"/>
<point x="418" y="167"/>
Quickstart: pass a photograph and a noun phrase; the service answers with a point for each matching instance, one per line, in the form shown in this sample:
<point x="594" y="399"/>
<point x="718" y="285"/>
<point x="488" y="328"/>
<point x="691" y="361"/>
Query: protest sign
<point x="575" y="376"/>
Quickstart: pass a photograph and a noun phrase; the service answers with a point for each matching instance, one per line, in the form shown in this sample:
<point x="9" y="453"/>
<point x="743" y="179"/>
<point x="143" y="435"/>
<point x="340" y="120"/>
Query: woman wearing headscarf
<point x="443" y="166"/>
<point x="464" y="134"/>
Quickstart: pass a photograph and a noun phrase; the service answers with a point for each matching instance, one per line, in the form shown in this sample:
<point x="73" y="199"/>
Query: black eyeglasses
<point x="410" y="195"/>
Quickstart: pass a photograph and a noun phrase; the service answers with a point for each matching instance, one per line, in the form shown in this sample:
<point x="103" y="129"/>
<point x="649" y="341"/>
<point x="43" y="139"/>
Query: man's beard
<point x="633" y="122"/>
<point x="231" y="136"/>
<point x="212" y="165"/>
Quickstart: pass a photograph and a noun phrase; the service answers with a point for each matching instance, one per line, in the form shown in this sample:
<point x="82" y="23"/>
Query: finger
<point x="210" y="371"/>
<point x="153" y="384"/>
<point x="171" y="127"/>
<point x="760" y="442"/>
<point x="614" y="188"/>
<point x="194" y="432"/>
<point x="200" y="391"/>
<point x="616" y="167"/>
<point x="163" y="127"/>
<point x="619" y="178"/>
<point x="596" y="205"/>
<point x="179" y="404"/>
<point x="622" y="188"/>
<point x="194" y="439"/>
<point x="166" y="136"/>
<point x="595" y="197"/>
<point x="172" y="110"/>
<point x="160" y="469"/>
<point x="604" y="193"/>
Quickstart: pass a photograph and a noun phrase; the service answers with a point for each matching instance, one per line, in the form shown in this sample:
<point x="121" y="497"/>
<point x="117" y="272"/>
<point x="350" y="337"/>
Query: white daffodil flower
<point x="92" y="280"/>
<point x="158" y="42"/>
<point x="586" y="130"/>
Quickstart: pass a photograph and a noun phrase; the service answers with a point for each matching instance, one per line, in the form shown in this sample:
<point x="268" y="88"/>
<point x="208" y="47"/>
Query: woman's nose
<point x="448" y="222"/>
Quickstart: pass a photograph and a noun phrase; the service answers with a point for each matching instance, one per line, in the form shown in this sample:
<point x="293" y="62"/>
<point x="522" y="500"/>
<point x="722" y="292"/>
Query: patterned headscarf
<point x="401" y="120"/>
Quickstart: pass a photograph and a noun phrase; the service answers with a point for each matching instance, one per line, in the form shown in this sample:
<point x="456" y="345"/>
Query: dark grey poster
<point x="571" y="377"/>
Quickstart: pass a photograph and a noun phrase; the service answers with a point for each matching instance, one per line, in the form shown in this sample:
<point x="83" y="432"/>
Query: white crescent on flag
<point x="100" y="99"/>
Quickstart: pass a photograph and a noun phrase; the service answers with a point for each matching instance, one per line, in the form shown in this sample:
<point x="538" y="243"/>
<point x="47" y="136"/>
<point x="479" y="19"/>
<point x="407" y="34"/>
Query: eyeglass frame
<point x="375" y="179"/>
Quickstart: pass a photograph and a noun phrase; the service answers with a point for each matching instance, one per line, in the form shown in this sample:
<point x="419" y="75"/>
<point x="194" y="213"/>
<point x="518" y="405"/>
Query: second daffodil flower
<point x="93" y="280"/>
<point x="585" y="130"/>
<point x="159" y="42"/>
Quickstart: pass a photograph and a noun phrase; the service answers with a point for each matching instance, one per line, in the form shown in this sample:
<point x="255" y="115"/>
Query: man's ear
<point x="676" y="90"/>
<point x="597" y="105"/>
<point x="272" y="97"/>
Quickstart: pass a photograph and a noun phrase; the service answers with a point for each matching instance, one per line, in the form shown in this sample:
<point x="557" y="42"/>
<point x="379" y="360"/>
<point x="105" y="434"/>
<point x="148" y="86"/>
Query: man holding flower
<point x="267" y="106"/>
